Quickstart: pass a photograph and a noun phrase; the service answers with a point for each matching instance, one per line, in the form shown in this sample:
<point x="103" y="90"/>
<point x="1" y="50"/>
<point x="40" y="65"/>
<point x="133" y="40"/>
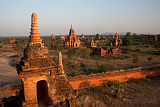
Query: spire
<point x="53" y="36"/>
<point x="71" y="32"/>
<point x="92" y="40"/>
<point x="60" y="64"/>
<point x="92" y="43"/>
<point x="116" y="37"/>
<point x="34" y="34"/>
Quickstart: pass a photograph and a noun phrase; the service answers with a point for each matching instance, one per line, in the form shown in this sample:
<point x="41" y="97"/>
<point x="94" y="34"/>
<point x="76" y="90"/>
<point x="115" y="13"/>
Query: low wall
<point x="83" y="81"/>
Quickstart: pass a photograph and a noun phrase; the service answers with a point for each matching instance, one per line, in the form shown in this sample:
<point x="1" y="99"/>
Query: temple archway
<point x="42" y="94"/>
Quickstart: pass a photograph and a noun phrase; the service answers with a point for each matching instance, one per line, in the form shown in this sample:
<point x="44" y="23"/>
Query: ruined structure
<point x="12" y="40"/>
<point x="103" y="38"/>
<point x="116" y="40"/>
<point x="146" y="38"/>
<point x="82" y="36"/>
<point x="72" y="40"/>
<point x="44" y="82"/>
<point x="62" y="37"/>
<point x="53" y="36"/>
<point x="102" y="51"/>
<point x="84" y="81"/>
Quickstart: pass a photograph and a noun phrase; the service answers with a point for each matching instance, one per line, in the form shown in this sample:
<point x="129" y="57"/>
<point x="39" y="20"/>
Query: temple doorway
<point x="42" y="94"/>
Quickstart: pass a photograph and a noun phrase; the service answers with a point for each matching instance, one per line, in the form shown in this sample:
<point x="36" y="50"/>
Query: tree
<point x="128" y="39"/>
<point x="79" y="52"/>
<point x="97" y="36"/>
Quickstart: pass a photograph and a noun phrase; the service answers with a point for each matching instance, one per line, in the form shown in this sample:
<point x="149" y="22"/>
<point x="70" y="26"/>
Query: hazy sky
<point x="87" y="16"/>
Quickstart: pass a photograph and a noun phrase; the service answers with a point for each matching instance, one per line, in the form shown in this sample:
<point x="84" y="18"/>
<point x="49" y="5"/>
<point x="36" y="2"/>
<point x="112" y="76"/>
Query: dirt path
<point x="8" y="74"/>
<point x="5" y="67"/>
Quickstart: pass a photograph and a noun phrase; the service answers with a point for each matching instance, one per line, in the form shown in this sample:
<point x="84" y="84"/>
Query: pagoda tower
<point x="44" y="82"/>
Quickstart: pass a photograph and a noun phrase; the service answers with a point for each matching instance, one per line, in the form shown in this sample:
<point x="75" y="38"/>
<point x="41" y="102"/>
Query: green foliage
<point x="135" y="58"/>
<point x="119" y="56"/>
<point x="107" y="67"/>
<point x="79" y="52"/>
<point x="128" y="39"/>
<point x="55" y="60"/>
<point x="48" y="42"/>
<point x="138" y="49"/>
<point x="79" y="69"/>
<point x="157" y="45"/>
<point x="150" y="59"/>
<point x="53" y="44"/>
<point x="58" y="44"/>
<point x="18" y="48"/>
<point x="125" y="50"/>
<point x="97" y="36"/>
<point x="114" y="84"/>
<point x="75" y="70"/>
<point x="86" y="41"/>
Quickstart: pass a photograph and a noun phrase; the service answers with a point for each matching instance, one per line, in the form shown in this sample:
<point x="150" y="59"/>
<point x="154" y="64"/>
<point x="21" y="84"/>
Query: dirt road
<point x="8" y="74"/>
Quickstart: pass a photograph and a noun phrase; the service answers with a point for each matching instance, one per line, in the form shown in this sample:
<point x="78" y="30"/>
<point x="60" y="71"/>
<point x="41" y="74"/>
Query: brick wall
<point x="120" y="76"/>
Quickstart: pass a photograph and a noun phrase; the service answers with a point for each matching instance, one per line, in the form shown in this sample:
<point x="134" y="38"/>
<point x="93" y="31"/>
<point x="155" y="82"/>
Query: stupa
<point x="44" y="83"/>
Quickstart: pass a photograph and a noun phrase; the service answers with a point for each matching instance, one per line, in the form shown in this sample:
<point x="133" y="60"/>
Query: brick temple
<point x="62" y="37"/>
<point x="53" y="36"/>
<point x="116" y="40"/>
<point x="12" y="40"/>
<point x="44" y="82"/>
<point x="72" y="40"/>
<point x="102" y="51"/>
<point x="92" y="44"/>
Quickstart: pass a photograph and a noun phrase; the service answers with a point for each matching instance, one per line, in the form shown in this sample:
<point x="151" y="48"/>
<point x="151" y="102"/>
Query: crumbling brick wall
<point x="120" y="76"/>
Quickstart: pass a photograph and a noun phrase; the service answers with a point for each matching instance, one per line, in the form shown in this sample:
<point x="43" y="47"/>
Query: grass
<point x="114" y="93"/>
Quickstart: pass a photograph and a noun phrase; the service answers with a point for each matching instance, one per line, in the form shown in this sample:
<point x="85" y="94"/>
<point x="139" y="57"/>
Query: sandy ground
<point x="5" y="68"/>
<point x="8" y="74"/>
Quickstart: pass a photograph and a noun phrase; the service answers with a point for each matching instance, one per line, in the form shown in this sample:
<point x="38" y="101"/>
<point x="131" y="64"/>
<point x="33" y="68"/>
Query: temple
<point x="12" y="40"/>
<point x="116" y="40"/>
<point x="92" y="44"/>
<point x="62" y="37"/>
<point x="72" y="40"/>
<point x="44" y="83"/>
<point x="53" y="36"/>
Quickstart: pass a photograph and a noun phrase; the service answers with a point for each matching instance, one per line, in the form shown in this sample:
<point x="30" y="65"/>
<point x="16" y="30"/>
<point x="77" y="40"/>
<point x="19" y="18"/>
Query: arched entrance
<point x="42" y="94"/>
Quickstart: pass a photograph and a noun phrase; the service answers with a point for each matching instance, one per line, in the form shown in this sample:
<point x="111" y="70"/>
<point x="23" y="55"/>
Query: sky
<point x="86" y="16"/>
